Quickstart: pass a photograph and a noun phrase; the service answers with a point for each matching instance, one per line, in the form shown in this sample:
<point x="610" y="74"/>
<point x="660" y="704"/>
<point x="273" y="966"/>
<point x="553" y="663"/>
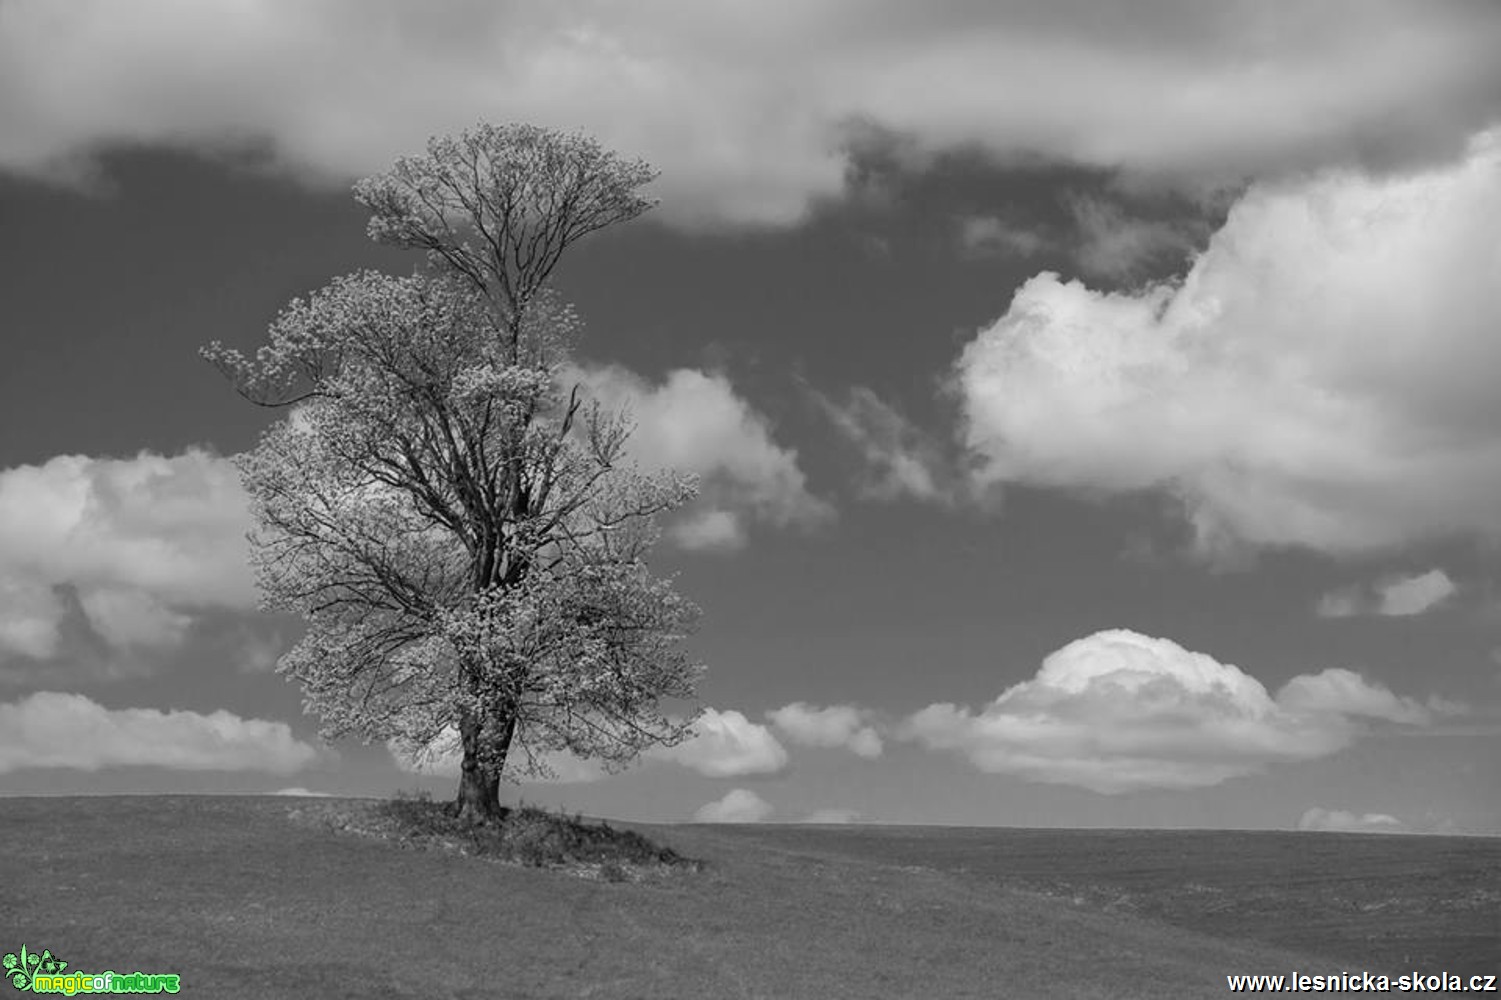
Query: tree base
<point x="469" y="813"/>
<point x="478" y="800"/>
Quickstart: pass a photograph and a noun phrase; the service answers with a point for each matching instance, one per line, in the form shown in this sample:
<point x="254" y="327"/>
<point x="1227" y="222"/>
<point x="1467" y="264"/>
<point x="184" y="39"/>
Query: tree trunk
<point x="479" y="782"/>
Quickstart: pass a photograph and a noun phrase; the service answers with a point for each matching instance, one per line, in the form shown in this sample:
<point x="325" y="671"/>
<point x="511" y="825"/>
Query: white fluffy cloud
<point x="1322" y="376"/>
<point x="144" y="541"/>
<point x="341" y="86"/>
<point x="1347" y="822"/>
<point x="1119" y="711"/>
<point x="1393" y="596"/>
<point x="695" y="422"/>
<point x="1336" y="692"/>
<point x="725" y="745"/>
<point x="50" y="729"/>
<point x="835" y="726"/>
<point x="740" y="805"/>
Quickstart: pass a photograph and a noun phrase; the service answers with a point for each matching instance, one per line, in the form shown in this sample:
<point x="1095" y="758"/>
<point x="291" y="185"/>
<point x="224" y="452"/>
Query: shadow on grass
<point x="525" y="835"/>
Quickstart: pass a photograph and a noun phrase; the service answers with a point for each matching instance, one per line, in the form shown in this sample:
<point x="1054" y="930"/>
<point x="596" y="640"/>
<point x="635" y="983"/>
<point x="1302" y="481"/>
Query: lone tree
<point x="461" y="534"/>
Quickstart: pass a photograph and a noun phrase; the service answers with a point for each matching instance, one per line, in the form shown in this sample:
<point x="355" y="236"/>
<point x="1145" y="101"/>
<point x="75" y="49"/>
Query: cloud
<point x="1118" y="711"/>
<point x="711" y="530"/>
<point x="900" y="460"/>
<point x="1320" y="378"/>
<point x="991" y="234"/>
<point x="336" y="88"/>
<point x="256" y="649"/>
<point x="1414" y="595"/>
<point x="835" y="726"/>
<point x="127" y="617"/>
<point x="1103" y="238"/>
<point x="694" y="422"/>
<point x="725" y="745"/>
<point x="1338" y="820"/>
<point x="50" y="729"/>
<point x="1112" y="244"/>
<point x="739" y="805"/>
<point x="30" y="618"/>
<point x="832" y="817"/>
<point x="1340" y="692"/>
<point x="1394" y="596"/>
<point x="144" y="541"/>
<point x="297" y="791"/>
<point x="1339" y="604"/>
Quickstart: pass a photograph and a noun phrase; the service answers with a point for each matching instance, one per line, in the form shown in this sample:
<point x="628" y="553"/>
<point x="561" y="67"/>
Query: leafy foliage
<point x="500" y="203"/>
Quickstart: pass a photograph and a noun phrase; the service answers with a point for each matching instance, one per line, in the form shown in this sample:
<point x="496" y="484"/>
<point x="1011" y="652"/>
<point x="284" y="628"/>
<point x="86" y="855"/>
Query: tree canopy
<point x="461" y="532"/>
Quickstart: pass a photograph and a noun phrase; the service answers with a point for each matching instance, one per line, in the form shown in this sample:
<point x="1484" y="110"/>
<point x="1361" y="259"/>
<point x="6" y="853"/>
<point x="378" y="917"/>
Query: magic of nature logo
<point x="46" y="973"/>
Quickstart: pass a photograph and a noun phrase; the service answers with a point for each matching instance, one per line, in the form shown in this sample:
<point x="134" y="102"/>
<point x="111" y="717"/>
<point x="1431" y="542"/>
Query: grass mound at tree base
<point x="525" y="835"/>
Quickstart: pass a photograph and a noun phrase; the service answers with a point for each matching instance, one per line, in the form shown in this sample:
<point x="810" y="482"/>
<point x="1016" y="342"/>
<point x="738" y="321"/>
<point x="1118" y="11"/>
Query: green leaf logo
<point x="23" y="969"/>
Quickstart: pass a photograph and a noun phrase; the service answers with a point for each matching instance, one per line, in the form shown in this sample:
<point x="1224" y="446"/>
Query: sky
<point x="1093" y="404"/>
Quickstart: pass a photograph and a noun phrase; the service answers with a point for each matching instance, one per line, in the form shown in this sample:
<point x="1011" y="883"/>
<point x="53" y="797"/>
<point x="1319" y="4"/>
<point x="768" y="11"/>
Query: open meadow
<point x="243" y="897"/>
<point x="1071" y="426"/>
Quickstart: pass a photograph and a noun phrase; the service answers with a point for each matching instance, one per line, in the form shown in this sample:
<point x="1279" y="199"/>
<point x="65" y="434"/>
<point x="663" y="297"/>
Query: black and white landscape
<point x="1039" y="462"/>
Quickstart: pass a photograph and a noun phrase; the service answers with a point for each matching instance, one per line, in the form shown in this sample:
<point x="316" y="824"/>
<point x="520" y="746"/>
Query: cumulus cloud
<point x="695" y="422"/>
<point x="1338" y="820"/>
<point x="1119" y="711"/>
<point x="1339" y="692"/>
<point x="50" y="729"/>
<point x="31" y="613"/>
<point x="725" y="745"/>
<point x="143" y="541"/>
<point x="835" y="726"/>
<point x="1393" y="596"/>
<point x="900" y="459"/>
<point x="1197" y="91"/>
<point x="740" y="805"/>
<point x="1321" y="377"/>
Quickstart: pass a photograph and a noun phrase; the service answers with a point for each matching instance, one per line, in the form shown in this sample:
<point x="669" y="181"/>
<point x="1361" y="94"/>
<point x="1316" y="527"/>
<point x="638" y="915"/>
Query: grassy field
<point x="243" y="900"/>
